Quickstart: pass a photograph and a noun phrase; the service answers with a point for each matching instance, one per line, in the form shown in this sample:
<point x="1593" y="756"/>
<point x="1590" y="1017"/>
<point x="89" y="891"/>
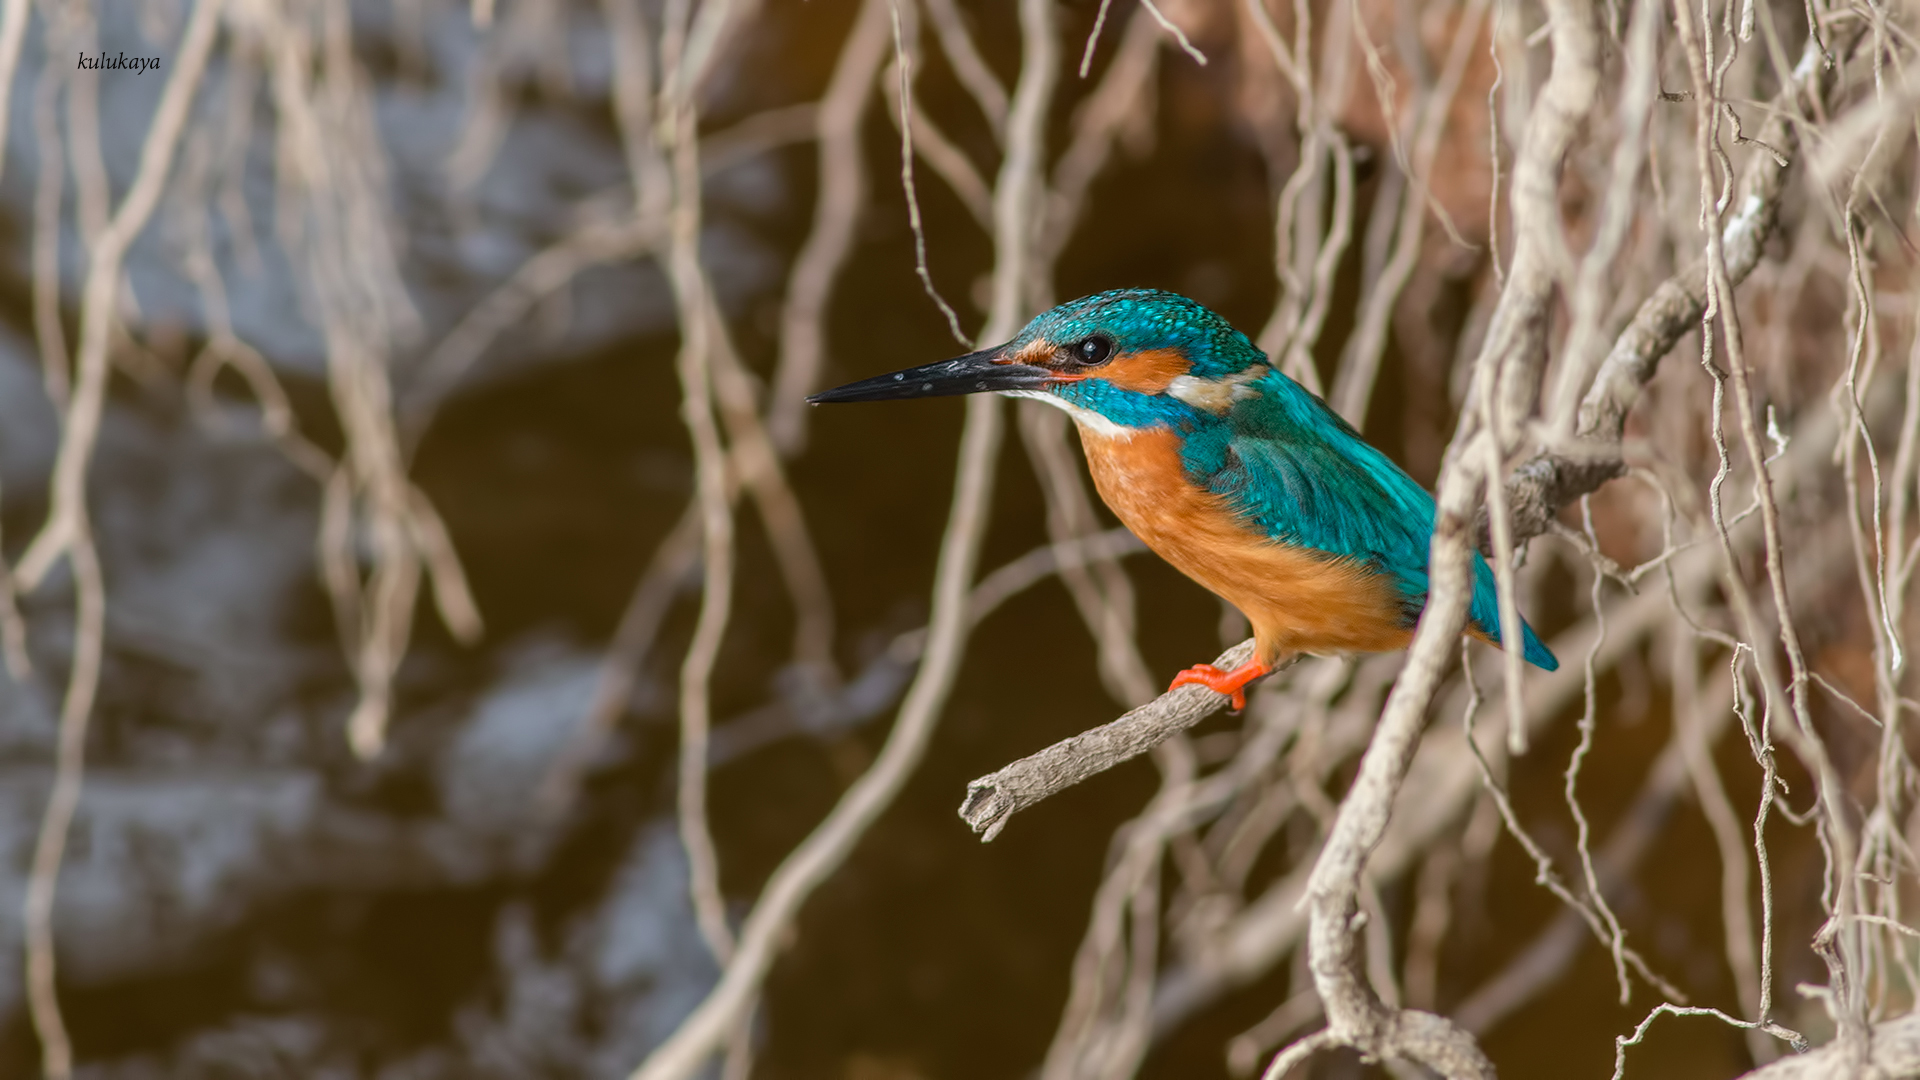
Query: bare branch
<point x="994" y="798"/>
<point x="1895" y="1052"/>
<point x="1555" y="477"/>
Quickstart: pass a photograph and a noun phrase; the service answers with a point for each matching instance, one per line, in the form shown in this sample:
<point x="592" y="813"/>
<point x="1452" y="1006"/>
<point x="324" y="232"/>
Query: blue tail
<point x="1485" y="613"/>
<point x="1535" y="651"/>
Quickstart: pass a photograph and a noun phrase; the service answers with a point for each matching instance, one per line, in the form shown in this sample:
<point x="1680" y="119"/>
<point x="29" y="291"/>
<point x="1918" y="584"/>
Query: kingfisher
<point x="1243" y="479"/>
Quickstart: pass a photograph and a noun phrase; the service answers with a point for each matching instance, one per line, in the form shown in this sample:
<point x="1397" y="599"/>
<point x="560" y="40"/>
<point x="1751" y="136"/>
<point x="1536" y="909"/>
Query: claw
<point x="1233" y="683"/>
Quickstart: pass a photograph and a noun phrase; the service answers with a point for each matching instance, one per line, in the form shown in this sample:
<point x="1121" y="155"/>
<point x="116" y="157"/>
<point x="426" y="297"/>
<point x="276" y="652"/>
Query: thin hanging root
<point x="1304" y="260"/>
<point x="837" y="206"/>
<point x="1696" y="722"/>
<point x="333" y="222"/>
<point x="903" y="64"/>
<point x="597" y="243"/>
<point x="76" y="710"/>
<point x="1359" y="368"/>
<point x="956" y="41"/>
<point x="1122" y="101"/>
<point x="68" y="533"/>
<point x="780" y="510"/>
<point x="1836" y="831"/>
<point x="695" y="365"/>
<point x="1017" y="197"/>
<point x="1171" y="27"/>
<point x="99" y="296"/>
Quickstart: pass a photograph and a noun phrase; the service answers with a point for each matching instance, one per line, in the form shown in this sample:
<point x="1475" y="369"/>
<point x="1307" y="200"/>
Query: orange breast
<point x="1298" y="599"/>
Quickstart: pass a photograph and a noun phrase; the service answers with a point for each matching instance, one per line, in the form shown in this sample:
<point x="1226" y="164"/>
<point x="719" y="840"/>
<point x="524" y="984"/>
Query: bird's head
<point x="1129" y="359"/>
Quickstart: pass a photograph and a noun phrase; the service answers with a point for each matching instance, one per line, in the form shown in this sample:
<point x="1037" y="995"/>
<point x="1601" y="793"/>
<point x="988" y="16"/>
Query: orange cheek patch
<point x="1150" y="371"/>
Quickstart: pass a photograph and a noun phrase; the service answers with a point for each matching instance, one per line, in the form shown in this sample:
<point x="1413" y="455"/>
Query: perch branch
<point x="994" y="798"/>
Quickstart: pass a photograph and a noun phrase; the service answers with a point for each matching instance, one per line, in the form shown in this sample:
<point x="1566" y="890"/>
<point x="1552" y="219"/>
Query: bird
<point x="1241" y="478"/>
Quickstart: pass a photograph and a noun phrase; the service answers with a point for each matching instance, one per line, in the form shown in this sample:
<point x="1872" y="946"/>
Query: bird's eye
<point x="1097" y="349"/>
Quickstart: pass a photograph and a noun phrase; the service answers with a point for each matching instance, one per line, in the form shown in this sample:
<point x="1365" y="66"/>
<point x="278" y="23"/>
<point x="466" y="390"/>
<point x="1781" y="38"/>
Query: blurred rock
<point x="624" y="976"/>
<point x="489" y="774"/>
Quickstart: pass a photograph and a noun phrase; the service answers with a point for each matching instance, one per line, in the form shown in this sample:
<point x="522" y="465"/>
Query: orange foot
<point x="1223" y="682"/>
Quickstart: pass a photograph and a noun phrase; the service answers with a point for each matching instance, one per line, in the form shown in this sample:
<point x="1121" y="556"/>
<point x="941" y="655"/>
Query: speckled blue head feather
<point x="1143" y="320"/>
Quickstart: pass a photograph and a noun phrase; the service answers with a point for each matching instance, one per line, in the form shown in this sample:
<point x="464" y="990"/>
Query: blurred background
<point x="378" y="540"/>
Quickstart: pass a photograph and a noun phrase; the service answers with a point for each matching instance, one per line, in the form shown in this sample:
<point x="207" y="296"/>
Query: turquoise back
<point x="1294" y="470"/>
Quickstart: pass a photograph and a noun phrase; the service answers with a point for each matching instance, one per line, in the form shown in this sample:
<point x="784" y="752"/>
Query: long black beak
<point x="973" y="373"/>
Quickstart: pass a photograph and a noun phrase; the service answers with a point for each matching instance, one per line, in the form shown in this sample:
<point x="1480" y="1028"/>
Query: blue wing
<point x="1296" y="471"/>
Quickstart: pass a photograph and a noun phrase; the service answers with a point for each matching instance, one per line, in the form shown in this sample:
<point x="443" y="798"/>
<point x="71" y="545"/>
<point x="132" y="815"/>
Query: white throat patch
<point x="1086" y="418"/>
